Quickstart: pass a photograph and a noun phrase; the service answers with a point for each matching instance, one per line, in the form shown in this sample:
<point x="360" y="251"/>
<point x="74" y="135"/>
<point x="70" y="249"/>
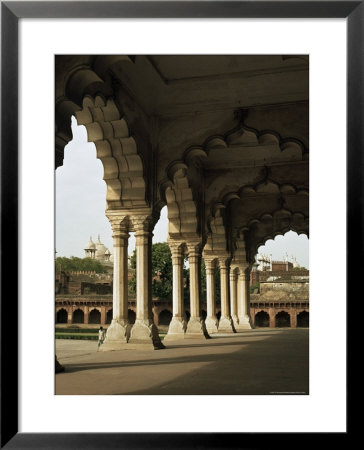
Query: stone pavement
<point x="262" y="361"/>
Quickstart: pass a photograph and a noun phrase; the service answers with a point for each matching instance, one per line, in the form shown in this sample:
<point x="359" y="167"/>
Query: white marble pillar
<point x="196" y="326"/>
<point x="247" y="296"/>
<point x="234" y="296"/>
<point x="243" y="307"/>
<point x="144" y="330"/>
<point x="177" y="326"/>
<point x="118" y="332"/>
<point x="211" y="321"/>
<point x="225" y="322"/>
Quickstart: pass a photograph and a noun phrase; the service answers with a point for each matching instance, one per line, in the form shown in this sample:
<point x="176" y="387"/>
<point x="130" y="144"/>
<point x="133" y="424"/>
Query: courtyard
<point x="260" y="361"/>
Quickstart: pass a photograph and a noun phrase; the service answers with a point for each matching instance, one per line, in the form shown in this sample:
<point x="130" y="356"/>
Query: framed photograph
<point x="321" y="42"/>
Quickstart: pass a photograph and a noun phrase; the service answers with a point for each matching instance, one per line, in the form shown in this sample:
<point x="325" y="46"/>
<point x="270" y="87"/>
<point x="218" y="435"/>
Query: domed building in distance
<point x="98" y="251"/>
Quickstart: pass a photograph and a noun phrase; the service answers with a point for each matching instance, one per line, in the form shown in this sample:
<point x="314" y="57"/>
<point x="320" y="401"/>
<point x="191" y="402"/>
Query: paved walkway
<point x="257" y="362"/>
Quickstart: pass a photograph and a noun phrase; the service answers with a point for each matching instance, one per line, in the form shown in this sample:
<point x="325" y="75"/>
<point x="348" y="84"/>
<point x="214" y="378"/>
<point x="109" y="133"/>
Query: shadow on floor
<point x="277" y="365"/>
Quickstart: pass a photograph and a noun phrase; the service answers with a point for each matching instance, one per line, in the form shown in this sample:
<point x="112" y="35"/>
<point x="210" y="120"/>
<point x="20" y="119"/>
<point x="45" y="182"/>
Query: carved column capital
<point x="233" y="275"/>
<point x="194" y="250"/>
<point x="210" y="265"/>
<point x="224" y="262"/>
<point x="142" y="223"/>
<point x="120" y="223"/>
<point x="177" y="254"/>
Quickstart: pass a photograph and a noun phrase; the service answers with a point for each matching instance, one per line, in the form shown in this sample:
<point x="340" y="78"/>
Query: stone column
<point x="177" y="327"/>
<point x="272" y="318"/>
<point x="144" y="331"/>
<point x="69" y="315"/>
<point x="234" y="297"/>
<point x="196" y="326"/>
<point x="211" y="321"/>
<point x="225" y="322"/>
<point x="293" y="314"/>
<point x="103" y="316"/>
<point x="118" y="332"/>
<point x="243" y="300"/>
<point x="86" y="312"/>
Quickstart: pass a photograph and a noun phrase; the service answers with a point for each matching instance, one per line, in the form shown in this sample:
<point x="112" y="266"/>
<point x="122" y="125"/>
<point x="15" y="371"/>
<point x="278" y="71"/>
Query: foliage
<point x="162" y="275"/>
<point x="161" y="271"/>
<point x="254" y="286"/>
<point x="203" y="283"/>
<point x="88" y="337"/>
<point x="299" y="268"/>
<point x="75" y="264"/>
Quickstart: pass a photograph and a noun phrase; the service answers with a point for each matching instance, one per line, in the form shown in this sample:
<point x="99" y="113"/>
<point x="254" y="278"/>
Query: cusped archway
<point x="262" y="319"/>
<point x="78" y="316"/>
<point x="62" y="316"/>
<point x="283" y="320"/>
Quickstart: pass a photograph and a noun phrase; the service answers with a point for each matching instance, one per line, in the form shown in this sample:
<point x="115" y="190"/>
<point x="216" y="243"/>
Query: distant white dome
<point x="100" y="249"/>
<point x="90" y="245"/>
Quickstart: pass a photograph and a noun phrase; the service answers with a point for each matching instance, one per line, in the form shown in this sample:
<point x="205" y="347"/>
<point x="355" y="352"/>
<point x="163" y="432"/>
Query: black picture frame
<point x="11" y="12"/>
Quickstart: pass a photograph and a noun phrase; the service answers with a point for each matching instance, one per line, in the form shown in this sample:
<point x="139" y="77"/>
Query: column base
<point x="145" y="333"/>
<point x="226" y="325"/>
<point x="235" y="321"/>
<point x="117" y="336"/>
<point x="176" y="330"/>
<point x="211" y="324"/>
<point x="196" y="329"/>
<point x="245" y="323"/>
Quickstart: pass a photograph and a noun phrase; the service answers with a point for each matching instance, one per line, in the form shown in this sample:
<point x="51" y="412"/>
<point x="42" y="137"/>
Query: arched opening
<point x="284" y="253"/>
<point x="131" y="316"/>
<point x="95" y="316"/>
<point x="80" y="195"/>
<point x="62" y="316"/>
<point x="203" y="314"/>
<point x="262" y="319"/>
<point x="165" y="317"/>
<point x="78" y="316"/>
<point x="303" y="319"/>
<point x="109" y="316"/>
<point x="283" y="320"/>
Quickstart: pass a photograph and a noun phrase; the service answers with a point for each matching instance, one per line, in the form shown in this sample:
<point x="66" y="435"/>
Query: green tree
<point x="75" y="264"/>
<point x="203" y="283"/>
<point x="161" y="271"/>
<point x="255" y="286"/>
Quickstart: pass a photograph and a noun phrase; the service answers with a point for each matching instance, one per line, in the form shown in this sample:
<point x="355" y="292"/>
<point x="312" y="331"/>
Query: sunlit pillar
<point x="293" y="313"/>
<point x="243" y="299"/>
<point x="144" y="330"/>
<point x="234" y="296"/>
<point x="103" y="315"/>
<point x="225" y="322"/>
<point x="272" y="318"/>
<point x="196" y="326"/>
<point x="177" y="326"/>
<point x="211" y="321"/>
<point x="119" y="330"/>
<point x="86" y="313"/>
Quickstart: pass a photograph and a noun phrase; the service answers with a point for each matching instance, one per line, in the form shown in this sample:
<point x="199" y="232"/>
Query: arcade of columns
<point x="228" y="187"/>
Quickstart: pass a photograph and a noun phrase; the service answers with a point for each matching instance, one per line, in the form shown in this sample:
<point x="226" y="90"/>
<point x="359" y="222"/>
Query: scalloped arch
<point x="115" y="147"/>
<point x="246" y="136"/>
<point x="276" y="233"/>
<point x="216" y="237"/>
<point x="182" y="211"/>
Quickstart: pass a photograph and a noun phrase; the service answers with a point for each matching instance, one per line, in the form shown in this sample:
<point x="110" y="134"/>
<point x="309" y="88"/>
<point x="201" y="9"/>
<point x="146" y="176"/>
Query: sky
<point x="81" y="202"/>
